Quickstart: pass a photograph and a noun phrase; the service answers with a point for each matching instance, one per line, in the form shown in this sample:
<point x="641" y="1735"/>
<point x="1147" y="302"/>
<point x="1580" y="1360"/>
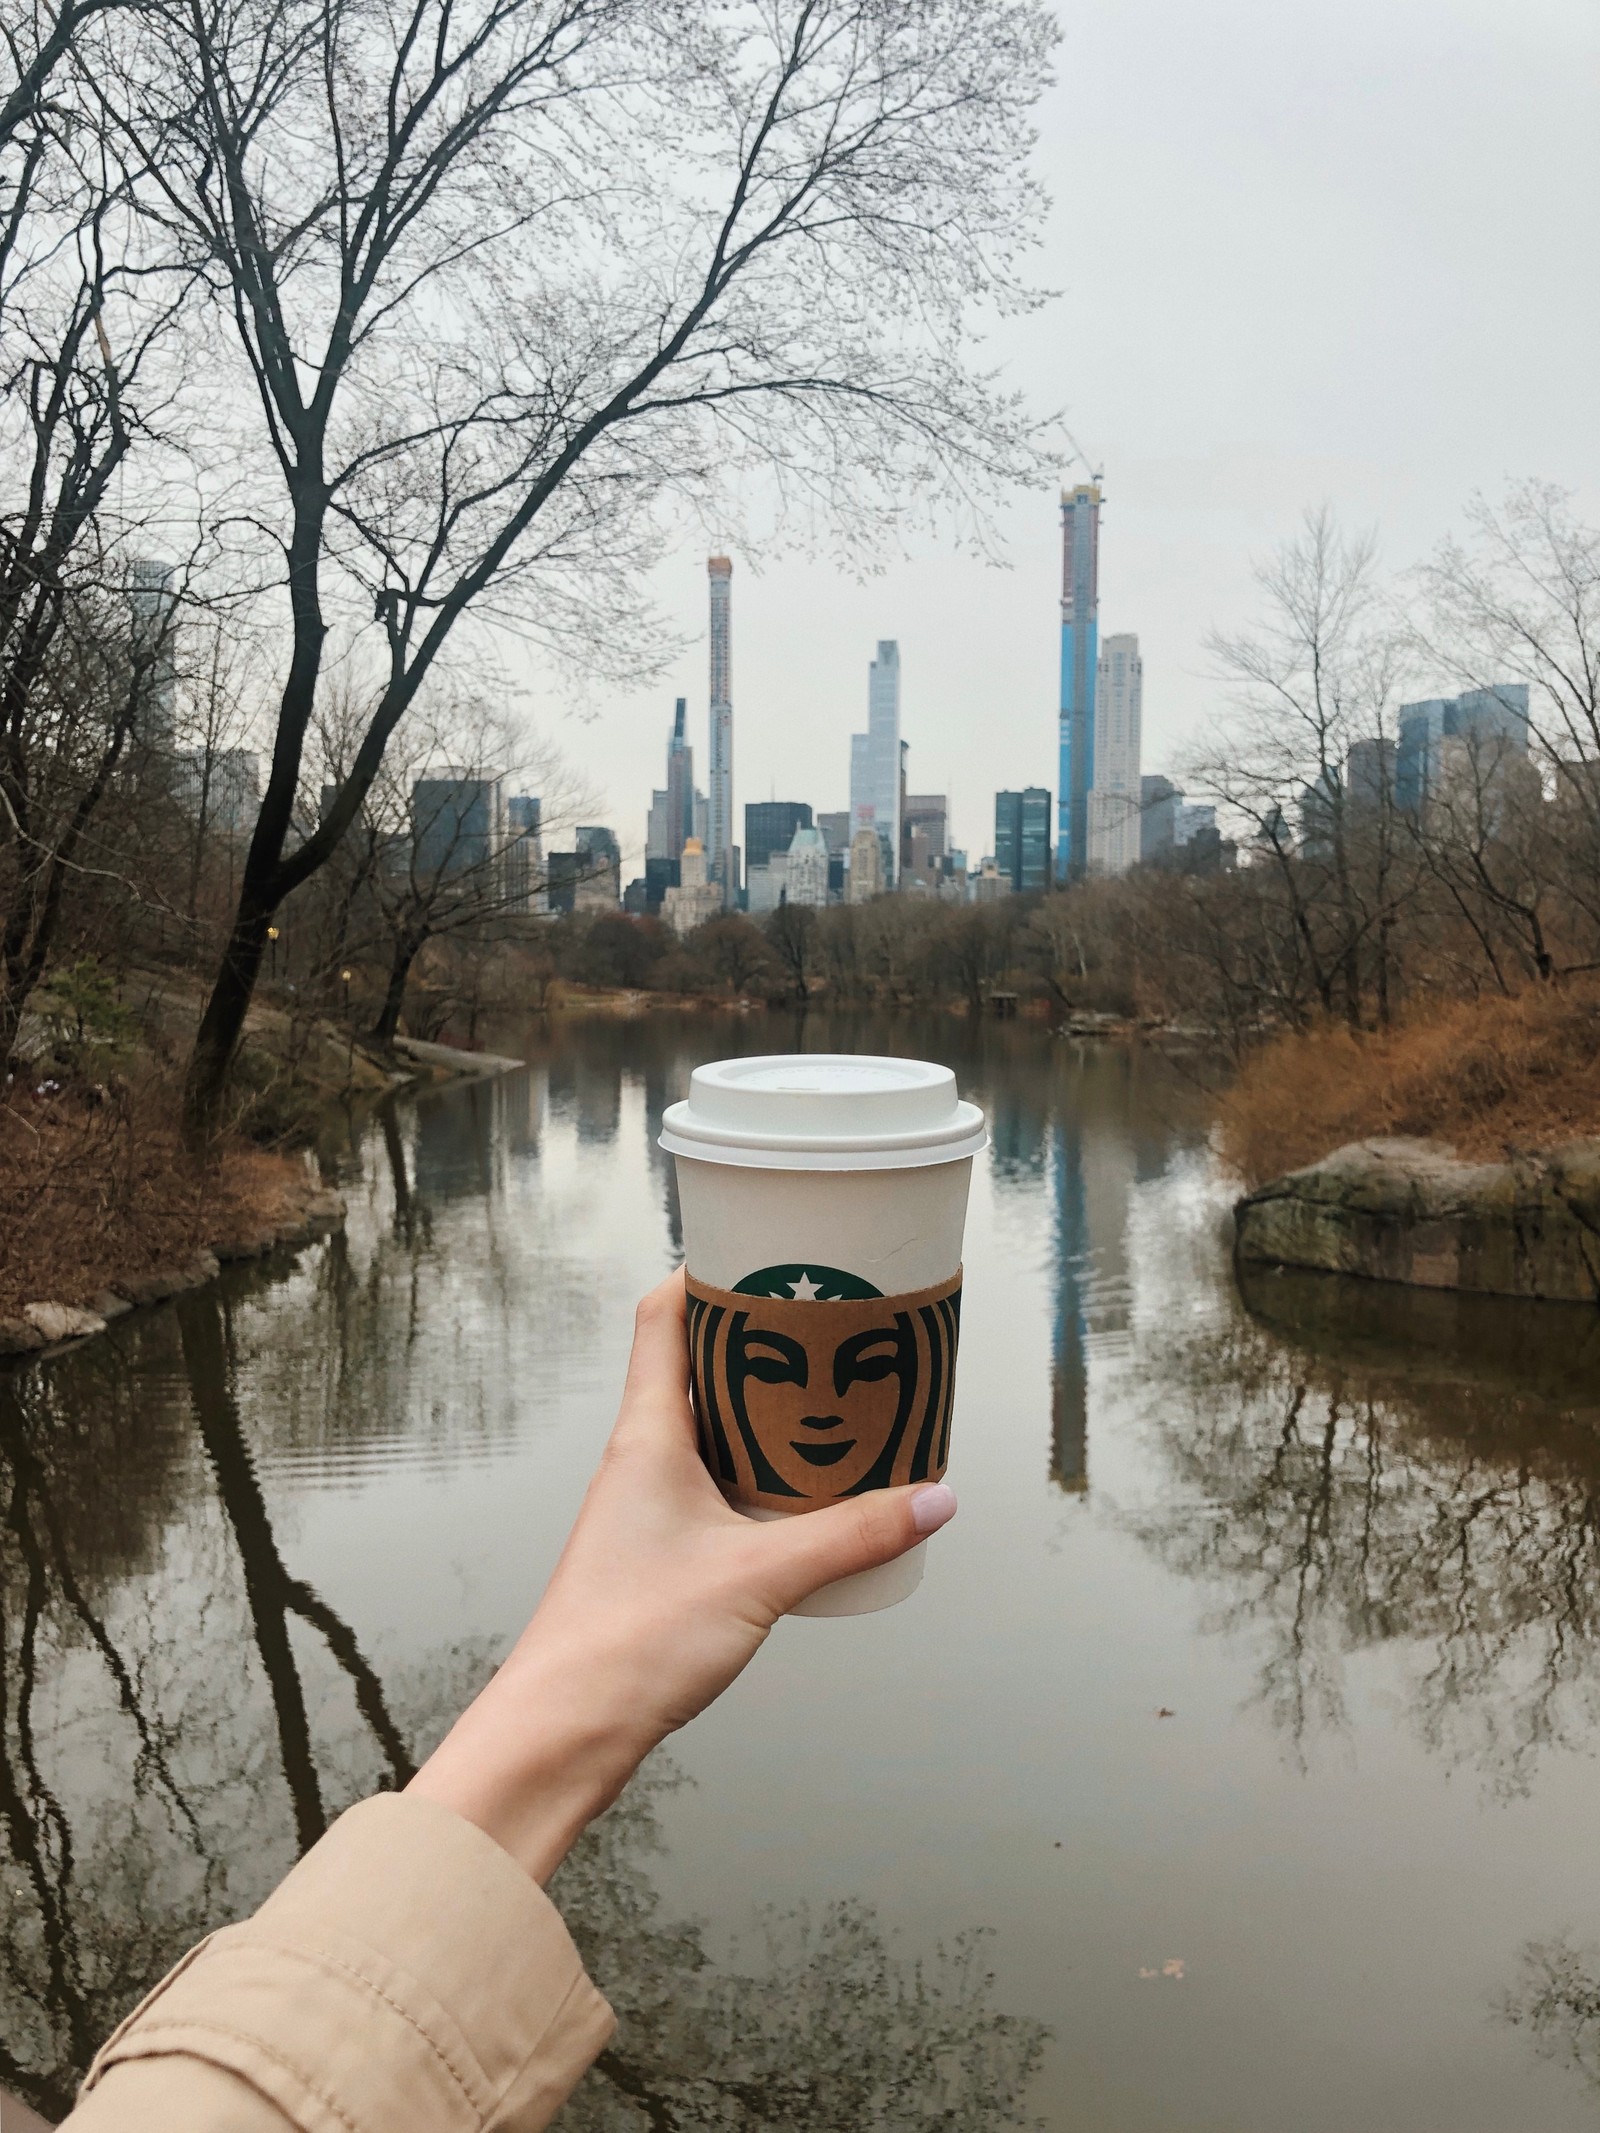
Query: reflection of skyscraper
<point x="521" y="1112"/>
<point x="723" y="866"/>
<point x="666" y="1081"/>
<point x="600" y="1101"/>
<point x="455" y="1154"/>
<point x="1069" y="1361"/>
<point x="1080" y="626"/>
<point x="1092" y="1179"/>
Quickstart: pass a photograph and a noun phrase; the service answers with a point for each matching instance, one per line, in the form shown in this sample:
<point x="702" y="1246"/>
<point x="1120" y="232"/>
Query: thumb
<point x="816" y="1547"/>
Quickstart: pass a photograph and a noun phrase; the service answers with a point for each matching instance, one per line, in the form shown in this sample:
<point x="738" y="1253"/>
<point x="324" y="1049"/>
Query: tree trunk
<point x="266" y="878"/>
<point x="385" y="1029"/>
<point x="222" y="1025"/>
<point x="10" y="1024"/>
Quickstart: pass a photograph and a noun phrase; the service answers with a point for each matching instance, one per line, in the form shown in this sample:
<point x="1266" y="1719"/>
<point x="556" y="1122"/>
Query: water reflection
<point x="1361" y="1466"/>
<point x="182" y="1712"/>
<point x="1358" y="1482"/>
<point x="151" y="1786"/>
<point x="823" y="2030"/>
<point x="1556" y="2000"/>
<point x="1104" y="1137"/>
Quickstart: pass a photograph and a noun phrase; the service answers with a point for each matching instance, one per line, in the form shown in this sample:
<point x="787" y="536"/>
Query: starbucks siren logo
<point x="806" y="1283"/>
<point x="810" y="1386"/>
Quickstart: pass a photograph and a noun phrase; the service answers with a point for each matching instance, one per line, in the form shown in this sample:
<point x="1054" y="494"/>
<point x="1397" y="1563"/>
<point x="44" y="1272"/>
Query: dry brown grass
<point x="99" y="1188"/>
<point x="1489" y="1077"/>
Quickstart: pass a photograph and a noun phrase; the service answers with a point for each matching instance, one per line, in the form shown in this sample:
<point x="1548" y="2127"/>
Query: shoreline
<point x="308" y="1209"/>
<point x="311" y="1209"/>
<point x="46" y="1329"/>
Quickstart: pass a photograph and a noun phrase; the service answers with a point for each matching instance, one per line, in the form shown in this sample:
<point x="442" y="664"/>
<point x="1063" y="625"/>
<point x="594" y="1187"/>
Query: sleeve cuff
<point x="406" y="1977"/>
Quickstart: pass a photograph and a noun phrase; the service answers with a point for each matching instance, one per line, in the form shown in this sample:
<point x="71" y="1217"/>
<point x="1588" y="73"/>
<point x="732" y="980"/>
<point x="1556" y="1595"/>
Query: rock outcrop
<point x="63" y="1322"/>
<point x="1413" y="1211"/>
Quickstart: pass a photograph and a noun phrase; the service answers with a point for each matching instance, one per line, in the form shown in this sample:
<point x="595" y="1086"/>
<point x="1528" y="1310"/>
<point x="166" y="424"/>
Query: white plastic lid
<point x="823" y="1111"/>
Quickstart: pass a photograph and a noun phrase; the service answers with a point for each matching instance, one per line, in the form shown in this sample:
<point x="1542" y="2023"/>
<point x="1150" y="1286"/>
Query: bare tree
<point x="734" y="949"/>
<point x="1485" y="837"/>
<point x="791" y="931"/>
<point x="436" y="860"/>
<point x="1308" y="760"/>
<point x="510" y="281"/>
<point x="1518" y="601"/>
<point x="88" y="304"/>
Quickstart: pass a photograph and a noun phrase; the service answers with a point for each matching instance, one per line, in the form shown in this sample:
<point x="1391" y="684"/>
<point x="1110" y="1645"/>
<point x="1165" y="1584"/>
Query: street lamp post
<point x="272" y="936"/>
<point x="350" y="1029"/>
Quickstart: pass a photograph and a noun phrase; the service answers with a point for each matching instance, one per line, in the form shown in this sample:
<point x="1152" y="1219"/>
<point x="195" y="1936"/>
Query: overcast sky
<point x="1308" y="251"/>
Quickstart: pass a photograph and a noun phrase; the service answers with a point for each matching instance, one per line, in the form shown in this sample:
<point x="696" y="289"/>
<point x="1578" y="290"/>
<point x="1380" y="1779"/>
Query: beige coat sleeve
<point x="407" y="1977"/>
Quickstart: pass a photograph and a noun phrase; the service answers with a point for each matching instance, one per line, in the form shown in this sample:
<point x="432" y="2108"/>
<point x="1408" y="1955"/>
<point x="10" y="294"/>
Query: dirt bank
<point x="1488" y="1079"/>
<point x="100" y="1195"/>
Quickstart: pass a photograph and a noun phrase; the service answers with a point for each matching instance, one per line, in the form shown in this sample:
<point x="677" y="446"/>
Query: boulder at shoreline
<point x="1413" y="1211"/>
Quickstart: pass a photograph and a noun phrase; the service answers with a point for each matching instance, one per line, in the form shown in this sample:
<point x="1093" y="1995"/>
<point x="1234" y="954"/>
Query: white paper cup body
<point x="897" y="1224"/>
<point x="899" y="1229"/>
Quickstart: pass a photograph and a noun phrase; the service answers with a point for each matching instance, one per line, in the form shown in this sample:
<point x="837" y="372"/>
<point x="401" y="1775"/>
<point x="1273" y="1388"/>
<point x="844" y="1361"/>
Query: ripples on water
<point x="1237" y="1753"/>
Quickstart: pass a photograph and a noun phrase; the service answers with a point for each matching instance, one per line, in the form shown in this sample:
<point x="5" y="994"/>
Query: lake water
<point x="1233" y="1771"/>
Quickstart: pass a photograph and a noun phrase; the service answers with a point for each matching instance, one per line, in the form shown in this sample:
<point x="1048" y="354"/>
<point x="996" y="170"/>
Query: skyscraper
<point x="680" y="785"/>
<point x="1022" y="838"/>
<point x="1080" y="625"/>
<point x="458" y="822"/>
<point x="1159" y="801"/>
<point x="721" y="862"/>
<point x="769" y="826"/>
<point x="806" y="876"/>
<point x="866" y="865"/>
<point x="1114" y="803"/>
<point x="524" y="853"/>
<point x="1490" y="726"/>
<point x="875" y="761"/>
<point x="598" y="886"/>
<point x="929" y="812"/>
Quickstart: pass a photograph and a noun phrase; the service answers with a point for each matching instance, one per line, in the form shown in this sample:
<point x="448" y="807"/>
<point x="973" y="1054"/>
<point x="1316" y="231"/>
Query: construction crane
<point x="1081" y="458"/>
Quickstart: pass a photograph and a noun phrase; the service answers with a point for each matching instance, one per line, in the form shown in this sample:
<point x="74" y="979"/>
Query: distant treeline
<point x="1389" y="850"/>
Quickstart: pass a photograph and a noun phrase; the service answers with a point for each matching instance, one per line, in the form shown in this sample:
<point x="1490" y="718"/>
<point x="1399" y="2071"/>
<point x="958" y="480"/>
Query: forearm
<point x="407" y="1977"/>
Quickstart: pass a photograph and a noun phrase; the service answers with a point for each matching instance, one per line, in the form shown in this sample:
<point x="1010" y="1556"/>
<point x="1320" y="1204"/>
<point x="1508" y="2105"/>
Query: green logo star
<point x="806" y="1283"/>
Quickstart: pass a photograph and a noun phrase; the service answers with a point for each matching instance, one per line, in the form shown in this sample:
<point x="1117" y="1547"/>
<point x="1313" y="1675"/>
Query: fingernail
<point x="933" y="1507"/>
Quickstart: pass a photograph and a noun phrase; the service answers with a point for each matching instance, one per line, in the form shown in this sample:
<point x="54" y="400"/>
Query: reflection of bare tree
<point x="1377" y="1470"/>
<point x="826" y="2033"/>
<point x="137" y="1802"/>
<point x="1557" y="2001"/>
<point x="271" y="1594"/>
<point x="153" y="1785"/>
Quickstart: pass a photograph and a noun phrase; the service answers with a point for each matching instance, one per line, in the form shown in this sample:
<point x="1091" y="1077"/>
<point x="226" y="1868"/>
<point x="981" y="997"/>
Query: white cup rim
<point x="823" y="1111"/>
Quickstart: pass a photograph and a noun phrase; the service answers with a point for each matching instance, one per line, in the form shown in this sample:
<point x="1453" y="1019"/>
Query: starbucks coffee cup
<point x="823" y="1200"/>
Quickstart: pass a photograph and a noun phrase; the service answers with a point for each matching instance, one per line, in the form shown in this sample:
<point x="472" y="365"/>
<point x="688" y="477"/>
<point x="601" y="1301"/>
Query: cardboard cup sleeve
<point x="805" y="1403"/>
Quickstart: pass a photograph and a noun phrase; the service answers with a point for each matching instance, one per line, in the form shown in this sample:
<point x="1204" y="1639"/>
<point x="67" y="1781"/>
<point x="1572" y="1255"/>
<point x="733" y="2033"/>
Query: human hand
<point x="662" y="1596"/>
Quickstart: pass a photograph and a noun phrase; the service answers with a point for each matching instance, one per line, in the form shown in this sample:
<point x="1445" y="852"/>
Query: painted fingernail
<point x="933" y="1507"/>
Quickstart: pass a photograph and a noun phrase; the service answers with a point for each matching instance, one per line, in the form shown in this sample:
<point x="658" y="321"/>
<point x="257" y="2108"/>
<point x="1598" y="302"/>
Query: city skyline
<point x="1097" y="801"/>
<point x="1270" y="398"/>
